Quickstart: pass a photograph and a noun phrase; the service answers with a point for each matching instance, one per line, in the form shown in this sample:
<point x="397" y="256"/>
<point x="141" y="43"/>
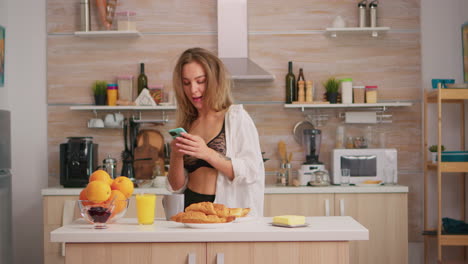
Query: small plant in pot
<point x="100" y="91"/>
<point x="433" y="150"/>
<point x="332" y="86"/>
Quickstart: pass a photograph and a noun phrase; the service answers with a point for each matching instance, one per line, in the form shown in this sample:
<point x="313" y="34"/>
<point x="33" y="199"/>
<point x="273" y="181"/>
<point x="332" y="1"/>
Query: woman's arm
<point x="176" y="174"/>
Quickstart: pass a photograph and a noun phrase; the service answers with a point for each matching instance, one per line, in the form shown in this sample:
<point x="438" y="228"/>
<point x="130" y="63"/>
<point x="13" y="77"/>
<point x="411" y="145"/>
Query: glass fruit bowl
<point x="99" y="214"/>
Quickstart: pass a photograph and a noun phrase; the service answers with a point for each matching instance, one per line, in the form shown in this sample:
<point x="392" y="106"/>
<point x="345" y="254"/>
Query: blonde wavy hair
<point x="217" y="95"/>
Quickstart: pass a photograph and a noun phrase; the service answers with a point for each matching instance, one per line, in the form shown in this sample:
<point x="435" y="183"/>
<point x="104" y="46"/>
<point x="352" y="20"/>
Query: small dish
<point x="207" y="226"/>
<point x="368" y="184"/>
<point x="290" y="226"/>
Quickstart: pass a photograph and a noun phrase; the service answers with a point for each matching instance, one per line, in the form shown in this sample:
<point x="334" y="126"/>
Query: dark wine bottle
<point x="291" y="91"/>
<point x="142" y="79"/>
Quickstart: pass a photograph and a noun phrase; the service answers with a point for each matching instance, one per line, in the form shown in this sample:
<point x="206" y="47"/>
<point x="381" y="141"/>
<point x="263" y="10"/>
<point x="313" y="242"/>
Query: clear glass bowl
<point x="100" y="214"/>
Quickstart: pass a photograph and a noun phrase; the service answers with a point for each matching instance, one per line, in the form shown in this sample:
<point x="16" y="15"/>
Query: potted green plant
<point x="332" y="86"/>
<point x="99" y="91"/>
<point x="433" y="150"/>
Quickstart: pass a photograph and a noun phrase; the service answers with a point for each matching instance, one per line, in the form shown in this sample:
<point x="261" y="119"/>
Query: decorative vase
<point x="100" y="99"/>
<point x="332" y="97"/>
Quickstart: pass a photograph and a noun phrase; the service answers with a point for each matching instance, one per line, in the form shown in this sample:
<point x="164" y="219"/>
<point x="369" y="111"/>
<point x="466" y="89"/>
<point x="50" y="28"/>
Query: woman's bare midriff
<point x="203" y="180"/>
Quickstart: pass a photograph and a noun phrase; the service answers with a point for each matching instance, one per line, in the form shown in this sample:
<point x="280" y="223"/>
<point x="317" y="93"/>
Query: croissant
<point x="205" y="207"/>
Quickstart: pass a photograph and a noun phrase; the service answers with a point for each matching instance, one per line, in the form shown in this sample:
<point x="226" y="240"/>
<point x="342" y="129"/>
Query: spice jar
<point x="371" y="94"/>
<point x="112" y="94"/>
<point x="125" y="84"/>
<point x="157" y="92"/>
<point x="126" y="21"/>
<point x="359" y="94"/>
<point x="347" y="91"/>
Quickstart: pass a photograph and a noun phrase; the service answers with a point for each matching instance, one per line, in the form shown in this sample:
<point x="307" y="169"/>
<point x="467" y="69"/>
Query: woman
<point x="219" y="158"/>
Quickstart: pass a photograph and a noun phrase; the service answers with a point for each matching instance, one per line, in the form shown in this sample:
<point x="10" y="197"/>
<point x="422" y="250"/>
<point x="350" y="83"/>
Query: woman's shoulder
<point x="236" y="109"/>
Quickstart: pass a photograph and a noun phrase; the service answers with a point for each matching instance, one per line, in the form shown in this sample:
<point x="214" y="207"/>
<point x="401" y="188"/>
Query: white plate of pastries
<point x="209" y="215"/>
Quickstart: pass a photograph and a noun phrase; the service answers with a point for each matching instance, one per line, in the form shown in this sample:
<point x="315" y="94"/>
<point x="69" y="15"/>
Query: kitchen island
<point x="383" y="210"/>
<point x="324" y="240"/>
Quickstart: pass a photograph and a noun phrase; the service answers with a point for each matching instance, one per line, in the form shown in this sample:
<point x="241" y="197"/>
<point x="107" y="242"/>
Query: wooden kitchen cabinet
<point x="308" y="204"/>
<point x="386" y="218"/>
<point x="385" y="215"/>
<point x="141" y="253"/>
<point x="277" y="252"/>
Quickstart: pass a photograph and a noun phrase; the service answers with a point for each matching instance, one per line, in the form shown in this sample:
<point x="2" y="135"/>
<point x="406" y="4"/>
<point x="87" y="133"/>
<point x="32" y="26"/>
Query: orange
<point x="83" y="197"/>
<point x="120" y="201"/>
<point x="101" y="175"/>
<point x="98" y="191"/>
<point x="123" y="184"/>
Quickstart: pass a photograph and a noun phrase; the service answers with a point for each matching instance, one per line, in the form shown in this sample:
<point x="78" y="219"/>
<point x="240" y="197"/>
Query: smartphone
<point x="176" y="132"/>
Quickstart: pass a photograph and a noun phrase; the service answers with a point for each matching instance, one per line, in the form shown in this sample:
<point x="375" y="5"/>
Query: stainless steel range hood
<point x="233" y="42"/>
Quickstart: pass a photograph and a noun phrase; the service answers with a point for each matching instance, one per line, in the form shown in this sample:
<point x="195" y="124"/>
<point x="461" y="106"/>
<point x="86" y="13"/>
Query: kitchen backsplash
<point x="278" y="33"/>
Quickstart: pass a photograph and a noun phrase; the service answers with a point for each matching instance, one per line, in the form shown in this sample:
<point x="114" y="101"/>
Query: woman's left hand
<point x="193" y="145"/>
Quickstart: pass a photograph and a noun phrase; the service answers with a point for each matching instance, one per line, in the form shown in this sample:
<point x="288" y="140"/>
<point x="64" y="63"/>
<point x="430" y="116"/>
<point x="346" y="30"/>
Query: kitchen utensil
<point x="109" y="164"/>
<point x="299" y="128"/>
<point x="282" y="151"/>
<point x="127" y="157"/>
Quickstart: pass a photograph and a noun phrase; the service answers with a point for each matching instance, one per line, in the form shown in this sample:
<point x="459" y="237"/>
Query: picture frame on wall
<point x="2" y="56"/>
<point x="465" y="51"/>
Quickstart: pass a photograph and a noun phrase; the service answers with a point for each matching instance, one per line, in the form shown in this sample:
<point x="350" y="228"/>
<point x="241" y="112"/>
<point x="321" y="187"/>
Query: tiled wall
<point x="280" y="31"/>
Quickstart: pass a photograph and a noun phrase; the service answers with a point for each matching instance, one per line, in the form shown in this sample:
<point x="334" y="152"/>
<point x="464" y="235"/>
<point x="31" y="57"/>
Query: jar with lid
<point x="126" y="21"/>
<point x="373" y="13"/>
<point x="125" y="84"/>
<point x="112" y="94"/>
<point x="362" y="6"/>
<point x="347" y="91"/>
<point x="359" y="94"/>
<point x="371" y="94"/>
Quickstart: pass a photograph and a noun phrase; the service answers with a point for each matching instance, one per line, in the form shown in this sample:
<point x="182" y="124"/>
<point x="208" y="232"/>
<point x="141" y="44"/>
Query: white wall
<point x="25" y="96"/>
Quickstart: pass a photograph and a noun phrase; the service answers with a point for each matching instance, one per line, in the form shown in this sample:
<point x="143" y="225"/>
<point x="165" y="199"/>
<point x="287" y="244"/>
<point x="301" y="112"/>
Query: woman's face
<point x="194" y="83"/>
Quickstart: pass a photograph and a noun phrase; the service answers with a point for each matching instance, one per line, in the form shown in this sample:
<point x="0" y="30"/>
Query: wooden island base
<point x="333" y="252"/>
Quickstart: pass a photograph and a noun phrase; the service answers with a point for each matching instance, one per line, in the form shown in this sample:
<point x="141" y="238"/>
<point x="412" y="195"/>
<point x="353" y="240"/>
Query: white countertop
<point x="321" y="228"/>
<point x="268" y="190"/>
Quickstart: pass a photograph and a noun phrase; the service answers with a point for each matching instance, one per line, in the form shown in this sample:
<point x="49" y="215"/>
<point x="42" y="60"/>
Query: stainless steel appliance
<point x="311" y="140"/>
<point x="5" y="190"/>
<point x="78" y="159"/>
<point x="364" y="164"/>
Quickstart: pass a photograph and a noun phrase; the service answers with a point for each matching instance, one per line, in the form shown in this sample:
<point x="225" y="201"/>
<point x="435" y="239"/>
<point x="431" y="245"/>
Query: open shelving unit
<point x="439" y="97"/>
<point x="383" y="106"/>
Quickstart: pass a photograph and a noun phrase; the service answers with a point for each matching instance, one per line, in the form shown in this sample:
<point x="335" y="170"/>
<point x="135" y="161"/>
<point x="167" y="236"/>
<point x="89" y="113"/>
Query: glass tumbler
<point x="390" y="176"/>
<point x="345" y="177"/>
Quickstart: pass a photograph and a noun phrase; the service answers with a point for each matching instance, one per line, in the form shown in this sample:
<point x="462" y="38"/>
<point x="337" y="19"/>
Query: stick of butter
<point x="289" y="219"/>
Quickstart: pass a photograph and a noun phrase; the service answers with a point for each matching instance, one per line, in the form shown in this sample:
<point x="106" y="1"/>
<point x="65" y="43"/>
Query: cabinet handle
<point x="327" y="207"/>
<point x="192" y="258"/>
<point x="342" y="213"/>
<point x="219" y="258"/>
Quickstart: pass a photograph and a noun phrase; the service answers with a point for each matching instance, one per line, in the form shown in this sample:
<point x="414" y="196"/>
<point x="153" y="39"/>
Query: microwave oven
<point x="364" y="164"/>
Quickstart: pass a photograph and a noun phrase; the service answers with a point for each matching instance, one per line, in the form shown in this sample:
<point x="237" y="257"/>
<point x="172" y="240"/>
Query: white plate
<point x="207" y="226"/>
<point x="368" y="184"/>
<point x="290" y="226"/>
<point x="245" y="219"/>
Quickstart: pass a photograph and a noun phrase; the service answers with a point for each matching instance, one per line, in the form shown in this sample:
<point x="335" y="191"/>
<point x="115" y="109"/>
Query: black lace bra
<point x="218" y="143"/>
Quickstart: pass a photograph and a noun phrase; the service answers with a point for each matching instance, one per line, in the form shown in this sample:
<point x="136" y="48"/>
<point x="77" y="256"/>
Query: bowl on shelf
<point x="101" y="214"/>
<point x="444" y="82"/>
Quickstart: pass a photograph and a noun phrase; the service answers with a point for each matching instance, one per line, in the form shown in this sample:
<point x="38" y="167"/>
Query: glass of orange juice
<point x="145" y="204"/>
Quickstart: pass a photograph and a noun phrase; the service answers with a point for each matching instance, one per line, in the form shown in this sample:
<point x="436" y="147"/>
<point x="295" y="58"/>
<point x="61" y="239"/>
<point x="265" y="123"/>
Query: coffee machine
<point x="311" y="140"/>
<point x="78" y="160"/>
